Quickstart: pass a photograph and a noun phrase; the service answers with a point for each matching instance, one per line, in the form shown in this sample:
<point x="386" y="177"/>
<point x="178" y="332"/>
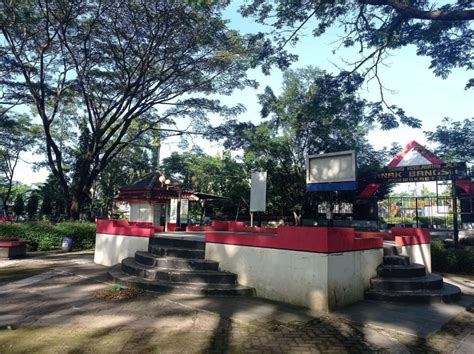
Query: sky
<point x="412" y="85"/>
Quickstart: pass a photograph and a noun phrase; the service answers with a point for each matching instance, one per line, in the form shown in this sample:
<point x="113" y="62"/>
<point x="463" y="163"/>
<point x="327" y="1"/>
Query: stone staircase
<point x="401" y="281"/>
<point x="177" y="266"/>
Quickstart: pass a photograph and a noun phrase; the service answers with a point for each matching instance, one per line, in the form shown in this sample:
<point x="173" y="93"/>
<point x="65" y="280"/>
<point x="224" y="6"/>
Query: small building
<point x="161" y="201"/>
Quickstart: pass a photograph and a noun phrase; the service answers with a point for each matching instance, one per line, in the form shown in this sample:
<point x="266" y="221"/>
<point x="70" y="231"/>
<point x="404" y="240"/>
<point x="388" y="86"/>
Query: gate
<point x="431" y="212"/>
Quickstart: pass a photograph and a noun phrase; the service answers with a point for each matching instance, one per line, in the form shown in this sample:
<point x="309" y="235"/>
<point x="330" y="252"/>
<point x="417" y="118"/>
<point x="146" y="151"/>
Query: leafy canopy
<point x="454" y="140"/>
<point x="442" y="32"/>
<point x="113" y="71"/>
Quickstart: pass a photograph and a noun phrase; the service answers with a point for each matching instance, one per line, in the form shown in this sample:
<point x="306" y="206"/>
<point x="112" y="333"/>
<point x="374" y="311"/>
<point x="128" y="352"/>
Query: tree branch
<point x="403" y="8"/>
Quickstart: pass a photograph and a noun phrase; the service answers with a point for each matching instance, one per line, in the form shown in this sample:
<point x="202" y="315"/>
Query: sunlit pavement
<point x="56" y="311"/>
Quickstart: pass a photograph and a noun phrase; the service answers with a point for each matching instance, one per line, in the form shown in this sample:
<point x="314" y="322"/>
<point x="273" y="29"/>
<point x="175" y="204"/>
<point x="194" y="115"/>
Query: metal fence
<point x="432" y="212"/>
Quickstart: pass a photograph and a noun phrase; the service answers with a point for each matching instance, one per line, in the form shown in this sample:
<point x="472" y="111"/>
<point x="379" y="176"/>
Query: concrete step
<point x="150" y="259"/>
<point x="428" y="282"/>
<point x="177" y="243"/>
<point x="165" y="251"/>
<point x="132" y="267"/>
<point x="401" y="271"/>
<point x="118" y="276"/>
<point x="396" y="260"/>
<point x="448" y="293"/>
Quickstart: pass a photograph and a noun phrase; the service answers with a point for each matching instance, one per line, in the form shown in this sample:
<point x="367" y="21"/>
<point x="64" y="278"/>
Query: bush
<point x="450" y="260"/>
<point x="8" y="238"/>
<point x="44" y="236"/>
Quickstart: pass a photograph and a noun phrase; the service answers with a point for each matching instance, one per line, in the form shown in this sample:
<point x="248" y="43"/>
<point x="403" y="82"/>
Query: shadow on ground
<point x="61" y="314"/>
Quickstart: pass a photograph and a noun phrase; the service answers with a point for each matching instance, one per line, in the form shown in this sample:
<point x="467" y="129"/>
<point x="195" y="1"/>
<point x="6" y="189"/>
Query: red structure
<point x="159" y="202"/>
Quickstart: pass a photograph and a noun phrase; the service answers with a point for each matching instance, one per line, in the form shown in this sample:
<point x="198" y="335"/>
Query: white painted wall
<point x="318" y="281"/>
<point x="349" y="275"/>
<point x="420" y="254"/>
<point x="112" y="249"/>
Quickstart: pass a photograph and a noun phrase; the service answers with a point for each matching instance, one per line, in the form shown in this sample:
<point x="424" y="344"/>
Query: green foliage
<point x="116" y="287"/>
<point x="45" y="236"/>
<point x="212" y="174"/>
<point x="32" y="206"/>
<point x="442" y="32"/>
<point x="454" y="140"/>
<point x="8" y="238"/>
<point x="53" y="202"/>
<point x="315" y="113"/>
<point x="19" y="206"/>
<point x="130" y="165"/>
<point x="439" y="221"/>
<point x="46" y="206"/>
<point x="452" y="260"/>
<point x="164" y="62"/>
<point x="17" y="135"/>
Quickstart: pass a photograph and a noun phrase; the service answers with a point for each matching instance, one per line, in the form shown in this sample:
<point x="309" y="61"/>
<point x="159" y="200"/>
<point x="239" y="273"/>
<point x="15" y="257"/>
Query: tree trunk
<point x="297" y="218"/>
<point x="74" y="209"/>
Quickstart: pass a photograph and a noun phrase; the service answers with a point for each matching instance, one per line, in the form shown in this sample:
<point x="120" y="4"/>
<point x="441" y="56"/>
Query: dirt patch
<point x="117" y="293"/>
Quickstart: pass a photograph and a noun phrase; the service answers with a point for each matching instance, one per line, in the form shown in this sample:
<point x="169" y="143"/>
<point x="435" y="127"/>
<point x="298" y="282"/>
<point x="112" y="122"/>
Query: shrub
<point x="450" y="260"/>
<point x="44" y="236"/>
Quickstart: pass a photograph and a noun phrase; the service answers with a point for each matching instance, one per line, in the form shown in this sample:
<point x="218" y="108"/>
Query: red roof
<point x="413" y="145"/>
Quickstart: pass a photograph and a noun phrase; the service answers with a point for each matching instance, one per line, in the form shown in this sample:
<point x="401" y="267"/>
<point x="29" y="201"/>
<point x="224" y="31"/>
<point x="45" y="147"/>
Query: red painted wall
<point x="9" y="244"/>
<point x="407" y="236"/>
<point x="122" y="227"/>
<point x="234" y="226"/>
<point x="308" y="239"/>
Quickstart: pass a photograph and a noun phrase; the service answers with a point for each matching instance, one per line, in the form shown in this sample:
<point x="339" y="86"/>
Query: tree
<point x="132" y="164"/>
<point x="128" y="67"/>
<point x="32" y="206"/>
<point x="19" y="206"/>
<point x="219" y="175"/>
<point x="53" y="203"/>
<point x="316" y="113"/>
<point x="443" y="33"/>
<point x="17" y="135"/>
<point x="454" y="140"/>
<point x="46" y="208"/>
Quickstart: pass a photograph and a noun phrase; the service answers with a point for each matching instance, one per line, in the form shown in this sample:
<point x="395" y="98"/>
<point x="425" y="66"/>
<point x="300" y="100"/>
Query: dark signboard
<point x="422" y="173"/>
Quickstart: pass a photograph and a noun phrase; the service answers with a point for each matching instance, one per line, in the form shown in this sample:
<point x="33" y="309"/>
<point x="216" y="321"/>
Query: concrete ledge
<point x="301" y="238"/>
<point x="234" y="226"/>
<point x="123" y="227"/>
<point x="319" y="281"/>
<point x="112" y="249"/>
<point x="14" y="249"/>
<point x="420" y="254"/>
<point x="415" y="243"/>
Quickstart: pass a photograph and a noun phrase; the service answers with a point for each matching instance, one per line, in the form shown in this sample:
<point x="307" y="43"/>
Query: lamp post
<point x="162" y="180"/>
<point x="165" y="182"/>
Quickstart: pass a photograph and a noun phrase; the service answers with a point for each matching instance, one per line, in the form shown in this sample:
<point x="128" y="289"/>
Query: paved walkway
<point x="56" y="312"/>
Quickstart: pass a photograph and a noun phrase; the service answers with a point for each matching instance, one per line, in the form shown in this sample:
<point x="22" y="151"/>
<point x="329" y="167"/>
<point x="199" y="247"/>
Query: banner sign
<point x="422" y="173"/>
<point x="173" y="211"/>
<point x="184" y="210"/>
<point x="258" y="191"/>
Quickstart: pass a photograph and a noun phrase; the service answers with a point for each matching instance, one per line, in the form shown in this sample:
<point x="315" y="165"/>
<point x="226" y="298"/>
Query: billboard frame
<point x="337" y="184"/>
